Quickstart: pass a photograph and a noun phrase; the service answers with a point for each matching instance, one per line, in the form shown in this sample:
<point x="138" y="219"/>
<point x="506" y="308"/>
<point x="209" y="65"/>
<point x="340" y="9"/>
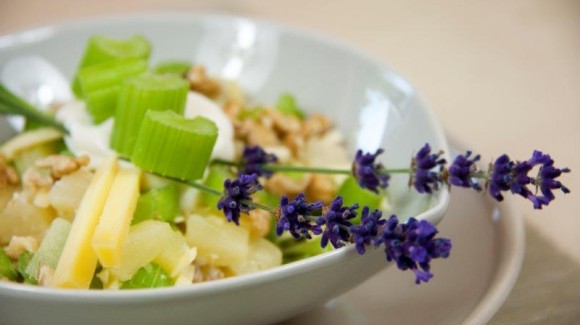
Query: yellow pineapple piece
<point x="153" y="241"/>
<point x="66" y="193"/>
<point x="22" y="218"/>
<point x="220" y="242"/>
<point x="262" y="255"/>
<point x="116" y="218"/>
<point x="78" y="260"/>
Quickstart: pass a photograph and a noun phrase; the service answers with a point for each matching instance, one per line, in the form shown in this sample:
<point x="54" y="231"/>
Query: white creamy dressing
<point x="85" y="138"/>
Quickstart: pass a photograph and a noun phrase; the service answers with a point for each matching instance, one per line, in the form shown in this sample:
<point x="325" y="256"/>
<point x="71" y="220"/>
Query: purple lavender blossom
<point x="237" y="196"/>
<point x="297" y="217"/>
<point x="253" y="158"/>
<point x="337" y="225"/>
<point x="462" y="170"/>
<point x="368" y="173"/>
<point x="513" y="176"/>
<point x="412" y="246"/>
<point x="365" y="233"/>
<point x="425" y="179"/>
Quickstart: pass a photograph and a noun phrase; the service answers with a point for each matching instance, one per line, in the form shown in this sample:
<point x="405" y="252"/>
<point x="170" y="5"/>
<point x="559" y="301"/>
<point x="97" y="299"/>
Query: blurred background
<point x="502" y="76"/>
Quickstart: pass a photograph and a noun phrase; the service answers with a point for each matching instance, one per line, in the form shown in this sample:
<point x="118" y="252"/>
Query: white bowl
<point x="372" y="105"/>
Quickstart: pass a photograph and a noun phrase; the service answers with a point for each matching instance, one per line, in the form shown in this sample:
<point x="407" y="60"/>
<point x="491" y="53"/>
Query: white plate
<point x="468" y="288"/>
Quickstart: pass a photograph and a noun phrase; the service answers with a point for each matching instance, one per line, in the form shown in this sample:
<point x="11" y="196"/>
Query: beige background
<point x="503" y="76"/>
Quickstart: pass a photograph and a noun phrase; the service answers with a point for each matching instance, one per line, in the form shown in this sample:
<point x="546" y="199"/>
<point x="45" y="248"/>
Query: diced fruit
<point x="152" y="241"/>
<point x="51" y="247"/>
<point x="77" y="264"/>
<point x="27" y="140"/>
<point x="262" y="255"/>
<point x="217" y="240"/>
<point x="66" y="193"/>
<point x="22" y="218"/>
<point x="149" y="276"/>
<point x="116" y="217"/>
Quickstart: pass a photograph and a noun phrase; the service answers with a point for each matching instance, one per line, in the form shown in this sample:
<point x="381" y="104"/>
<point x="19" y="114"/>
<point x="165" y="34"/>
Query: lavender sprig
<point x="237" y="196"/>
<point x="426" y="170"/>
<point x="298" y="217"/>
<point x="368" y="173"/>
<point x="336" y="220"/>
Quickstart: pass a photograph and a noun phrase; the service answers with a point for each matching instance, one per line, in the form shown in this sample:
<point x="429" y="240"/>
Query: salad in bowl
<point x="252" y="170"/>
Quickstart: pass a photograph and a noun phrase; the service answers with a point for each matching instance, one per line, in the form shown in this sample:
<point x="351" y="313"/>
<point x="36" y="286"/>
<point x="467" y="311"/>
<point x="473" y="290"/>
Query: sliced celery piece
<point x="175" y="67"/>
<point x="101" y="85"/>
<point x="150" y="276"/>
<point x="287" y="105"/>
<point x="101" y="49"/>
<point x="215" y="179"/>
<point x="158" y="204"/>
<point x="352" y="193"/>
<point x="51" y="247"/>
<point x="7" y="269"/>
<point x="23" y="262"/>
<point x="171" y="145"/>
<point x="142" y="94"/>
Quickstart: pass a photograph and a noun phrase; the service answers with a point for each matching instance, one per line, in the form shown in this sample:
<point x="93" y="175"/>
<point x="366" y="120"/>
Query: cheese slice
<point x="78" y="261"/>
<point x="115" y="220"/>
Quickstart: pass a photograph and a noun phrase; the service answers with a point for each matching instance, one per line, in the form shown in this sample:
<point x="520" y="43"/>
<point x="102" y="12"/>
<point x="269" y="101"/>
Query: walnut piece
<point x="45" y="276"/>
<point x="320" y="188"/>
<point x="281" y="184"/>
<point x="61" y="165"/>
<point x="200" y="82"/>
<point x="8" y="175"/>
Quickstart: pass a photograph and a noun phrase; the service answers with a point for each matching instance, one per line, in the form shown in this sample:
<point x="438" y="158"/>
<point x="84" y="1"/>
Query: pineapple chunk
<point x="153" y="241"/>
<point x="66" y="194"/>
<point x="220" y="242"/>
<point x="263" y="255"/>
<point x="27" y="140"/>
<point x="114" y="222"/>
<point x="22" y="218"/>
<point x="78" y="260"/>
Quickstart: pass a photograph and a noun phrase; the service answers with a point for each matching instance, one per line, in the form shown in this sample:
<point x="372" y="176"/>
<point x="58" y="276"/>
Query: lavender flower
<point x="462" y="170"/>
<point x="237" y="196"/>
<point x="368" y="173"/>
<point x="253" y="158"/>
<point x="335" y="218"/>
<point x="412" y="246"/>
<point x="424" y="178"/>
<point x="513" y="176"/>
<point x="297" y="217"/>
<point x="365" y="233"/>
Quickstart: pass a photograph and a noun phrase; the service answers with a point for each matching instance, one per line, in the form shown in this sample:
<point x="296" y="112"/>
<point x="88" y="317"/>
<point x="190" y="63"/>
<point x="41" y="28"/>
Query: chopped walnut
<point x="207" y="272"/>
<point x="45" y="276"/>
<point x="257" y="134"/>
<point x="19" y="245"/>
<point x="33" y="181"/>
<point x="232" y="110"/>
<point x="8" y="175"/>
<point x="61" y="165"/>
<point x="282" y="123"/>
<point x="200" y="82"/>
<point x="320" y="188"/>
<point x="258" y="222"/>
<point x="295" y="143"/>
<point x="281" y="184"/>
<point x="315" y="125"/>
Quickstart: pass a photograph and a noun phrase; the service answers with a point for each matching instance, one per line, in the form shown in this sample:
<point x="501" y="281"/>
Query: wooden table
<point x="502" y="76"/>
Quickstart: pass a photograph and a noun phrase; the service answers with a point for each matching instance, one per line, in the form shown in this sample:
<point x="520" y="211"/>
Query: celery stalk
<point x="352" y="193"/>
<point x="139" y="95"/>
<point x="23" y="262"/>
<point x="158" y="204"/>
<point x="7" y="269"/>
<point x="51" y="247"/>
<point x="101" y="49"/>
<point x="101" y="85"/>
<point x="150" y="276"/>
<point x="178" y="68"/>
<point x="171" y="145"/>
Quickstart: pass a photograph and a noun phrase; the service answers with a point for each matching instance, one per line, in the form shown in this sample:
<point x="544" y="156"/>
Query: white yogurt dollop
<point x="84" y="137"/>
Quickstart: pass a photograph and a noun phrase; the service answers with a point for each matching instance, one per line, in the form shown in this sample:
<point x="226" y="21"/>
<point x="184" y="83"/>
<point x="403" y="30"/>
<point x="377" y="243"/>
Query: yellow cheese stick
<point x="78" y="260"/>
<point x="116" y="218"/>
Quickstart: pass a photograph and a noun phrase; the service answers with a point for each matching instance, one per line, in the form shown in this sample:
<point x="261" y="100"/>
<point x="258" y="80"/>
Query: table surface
<point x="502" y="76"/>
